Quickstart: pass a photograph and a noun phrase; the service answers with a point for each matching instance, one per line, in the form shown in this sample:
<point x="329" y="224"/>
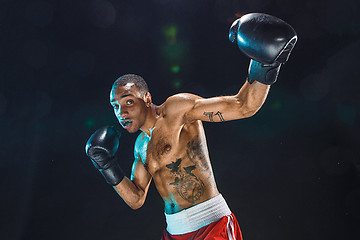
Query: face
<point x="129" y="107"/>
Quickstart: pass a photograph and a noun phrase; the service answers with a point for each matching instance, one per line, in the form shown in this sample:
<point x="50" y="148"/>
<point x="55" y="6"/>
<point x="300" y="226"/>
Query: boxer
<point x="171" y="148"/>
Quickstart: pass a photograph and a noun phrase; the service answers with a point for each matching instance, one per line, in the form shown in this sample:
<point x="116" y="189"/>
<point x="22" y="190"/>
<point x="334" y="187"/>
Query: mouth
<point x="126" y="124"/>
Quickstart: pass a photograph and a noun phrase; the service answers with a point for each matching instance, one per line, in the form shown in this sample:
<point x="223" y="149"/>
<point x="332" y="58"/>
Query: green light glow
<point x="89" y="123"/>
<point x="276" y="105"/>
<point x="177" y="83"/>
<point x="175" y="69"/>
<point x="174" y="52"/>
<point x="170" y="33"/>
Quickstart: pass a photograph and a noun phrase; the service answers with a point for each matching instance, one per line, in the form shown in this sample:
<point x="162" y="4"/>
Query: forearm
<point x="130" y="193"/>
<point x="252" y="97"/>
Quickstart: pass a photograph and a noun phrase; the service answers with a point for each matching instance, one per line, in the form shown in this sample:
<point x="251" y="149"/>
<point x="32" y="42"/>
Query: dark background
<point x="289" y="172"/>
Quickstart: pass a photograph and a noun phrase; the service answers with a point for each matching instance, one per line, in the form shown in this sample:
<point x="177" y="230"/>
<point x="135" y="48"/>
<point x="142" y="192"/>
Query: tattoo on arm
<point x="211" y="116"/>
<point x="220" y="116"/>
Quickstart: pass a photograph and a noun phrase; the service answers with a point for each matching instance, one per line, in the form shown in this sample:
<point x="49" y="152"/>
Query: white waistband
<point x="198" y="216"/>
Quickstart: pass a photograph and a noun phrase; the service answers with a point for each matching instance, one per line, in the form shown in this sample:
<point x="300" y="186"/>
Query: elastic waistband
<point x="198" y="216"/>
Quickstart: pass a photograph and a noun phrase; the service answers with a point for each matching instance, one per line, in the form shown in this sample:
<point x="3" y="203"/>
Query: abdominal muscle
<point x="183" y="176"/>
<point x="184" y="190"/>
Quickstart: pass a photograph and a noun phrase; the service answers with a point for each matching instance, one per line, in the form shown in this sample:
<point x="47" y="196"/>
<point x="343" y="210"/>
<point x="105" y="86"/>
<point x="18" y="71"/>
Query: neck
<point x="151" y="118"/>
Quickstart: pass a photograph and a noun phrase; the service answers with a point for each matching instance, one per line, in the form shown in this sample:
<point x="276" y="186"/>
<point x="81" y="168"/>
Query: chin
<point x="132" y="130"/>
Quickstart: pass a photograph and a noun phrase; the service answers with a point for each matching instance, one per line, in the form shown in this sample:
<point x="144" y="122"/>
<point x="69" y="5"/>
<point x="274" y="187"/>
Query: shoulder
<point x="179" y="104"/>
<point x="182" y="97"/>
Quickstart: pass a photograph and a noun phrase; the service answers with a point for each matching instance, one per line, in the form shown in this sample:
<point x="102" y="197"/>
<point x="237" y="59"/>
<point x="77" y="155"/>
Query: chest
<point x="162" y="147"/>
<point x="165" y="146"/>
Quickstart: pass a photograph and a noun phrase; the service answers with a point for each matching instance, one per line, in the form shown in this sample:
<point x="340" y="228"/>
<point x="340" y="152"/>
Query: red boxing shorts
<point x="227" y="228"/>
<point x="211" y="219"/>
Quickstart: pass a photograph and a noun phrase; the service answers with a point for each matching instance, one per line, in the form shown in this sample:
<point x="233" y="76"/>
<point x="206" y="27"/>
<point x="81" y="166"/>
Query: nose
<point x="124" y="113"/>
<point x="120" y="112"/>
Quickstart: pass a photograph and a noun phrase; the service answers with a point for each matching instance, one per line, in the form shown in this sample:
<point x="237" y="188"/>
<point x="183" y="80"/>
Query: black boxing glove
<point x="267" y="40"/>
<point x="101" y="148"/>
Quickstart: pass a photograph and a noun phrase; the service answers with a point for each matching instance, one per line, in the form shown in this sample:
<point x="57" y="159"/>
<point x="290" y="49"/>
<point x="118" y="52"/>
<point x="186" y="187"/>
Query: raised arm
<point x="244" y="104"/>
<point x="268" y="41"/>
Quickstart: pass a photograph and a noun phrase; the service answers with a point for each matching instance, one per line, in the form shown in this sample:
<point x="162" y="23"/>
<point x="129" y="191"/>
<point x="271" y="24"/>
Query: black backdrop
<point x="289" y="172"/>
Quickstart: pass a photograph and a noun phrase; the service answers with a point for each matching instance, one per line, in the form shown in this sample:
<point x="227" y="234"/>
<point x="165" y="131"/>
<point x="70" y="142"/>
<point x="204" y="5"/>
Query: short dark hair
<point x="132" y="78"/>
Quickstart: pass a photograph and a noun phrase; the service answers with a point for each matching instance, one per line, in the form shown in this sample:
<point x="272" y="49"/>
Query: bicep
<point x="216" y="109"/>
<point x="190" y="107"/>
<point x="244" y="104"/>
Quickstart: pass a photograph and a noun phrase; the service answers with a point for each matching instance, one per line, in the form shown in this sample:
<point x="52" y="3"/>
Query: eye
<point x="115" y="106"/>
<point x="129" y="102"/>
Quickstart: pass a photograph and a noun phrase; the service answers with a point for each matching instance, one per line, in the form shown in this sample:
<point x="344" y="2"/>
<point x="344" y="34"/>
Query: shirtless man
<point x="171" y="148"/>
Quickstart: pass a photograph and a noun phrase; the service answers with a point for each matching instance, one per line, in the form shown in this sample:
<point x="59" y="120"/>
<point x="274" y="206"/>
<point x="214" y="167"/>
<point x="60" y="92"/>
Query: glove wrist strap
<point x="263" y="73"/>
<point x="113" y="175"/>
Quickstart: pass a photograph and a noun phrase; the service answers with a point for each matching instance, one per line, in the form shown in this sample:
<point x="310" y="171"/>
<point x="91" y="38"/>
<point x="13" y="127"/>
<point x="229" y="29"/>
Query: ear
<point x="147" y="99"/>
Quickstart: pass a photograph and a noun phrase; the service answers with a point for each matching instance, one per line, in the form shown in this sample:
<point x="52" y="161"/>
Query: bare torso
<point x="171" y="148"/>
<point x="178" y="160"/>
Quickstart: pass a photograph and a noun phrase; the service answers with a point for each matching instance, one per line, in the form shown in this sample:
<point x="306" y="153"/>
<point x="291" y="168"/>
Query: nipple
<point x="167" y="147"/>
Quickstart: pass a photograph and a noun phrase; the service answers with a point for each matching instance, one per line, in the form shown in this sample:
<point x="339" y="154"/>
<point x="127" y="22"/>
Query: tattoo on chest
<point x="186" y="183"/>
<point x="211" y="116"/>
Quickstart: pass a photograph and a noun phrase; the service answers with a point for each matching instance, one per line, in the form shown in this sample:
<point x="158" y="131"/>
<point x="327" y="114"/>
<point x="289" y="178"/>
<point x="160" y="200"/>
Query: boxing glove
<point x="101" y="149"/>
<point x="267" y="40"/>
